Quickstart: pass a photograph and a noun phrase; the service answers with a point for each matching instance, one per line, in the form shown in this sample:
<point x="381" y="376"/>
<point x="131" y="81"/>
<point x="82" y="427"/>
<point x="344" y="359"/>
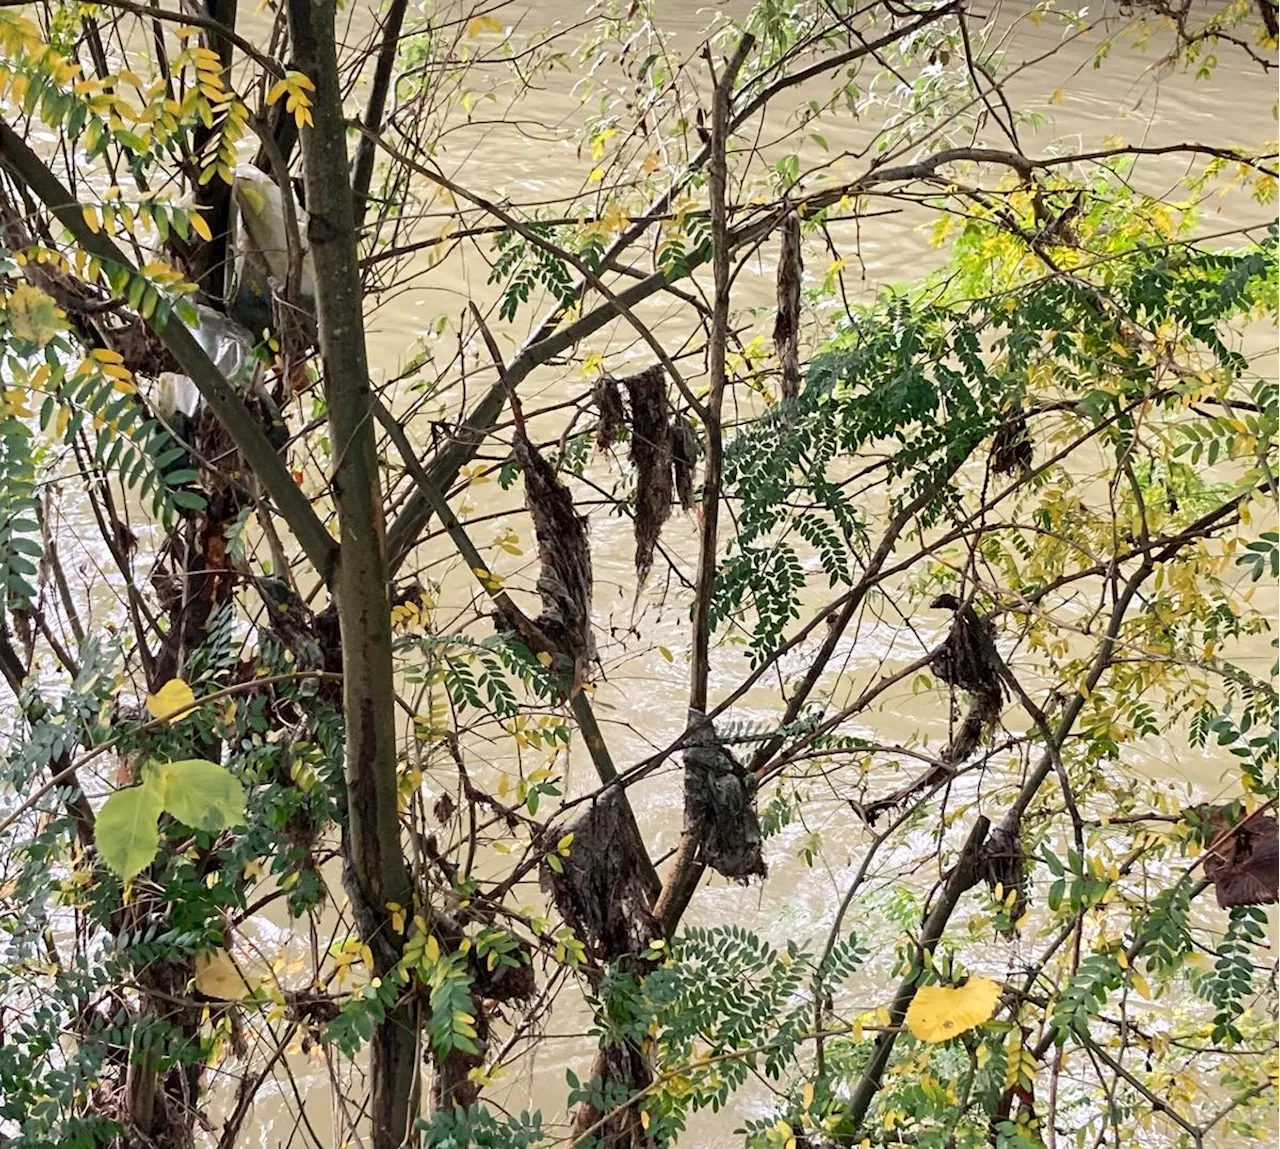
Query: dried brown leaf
<point x="1244" y="861"/>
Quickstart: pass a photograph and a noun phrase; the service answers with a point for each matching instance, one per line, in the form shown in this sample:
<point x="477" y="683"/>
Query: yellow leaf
<point x="217" y="976"/>
<point x="278" y="89"/>
<point x="15" y="403"/>
<point x="91" y="220"/>
<point x="941" y="1012"/>
<point x="481" y="24"/>
<point x="33" y="315"/>
<point x="200" y="226"/>
<point x="173" y="697"/>
<point x="432" y="953"/>
<point x="662" y="650"/>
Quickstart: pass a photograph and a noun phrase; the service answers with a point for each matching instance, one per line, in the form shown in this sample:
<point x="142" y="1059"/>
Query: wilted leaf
<point x="201" y="794"/>
<point x="217" y="976"/>
<point x="126" y="831"/>
<point x="174" y="696"/>
<point x="1241" y="862"/>
<point x="941" y="1012"/>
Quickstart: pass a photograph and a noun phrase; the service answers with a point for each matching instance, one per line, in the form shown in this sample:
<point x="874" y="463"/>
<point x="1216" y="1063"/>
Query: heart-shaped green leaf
<point x="201" y="794"/>
<point x="126" y="831"/>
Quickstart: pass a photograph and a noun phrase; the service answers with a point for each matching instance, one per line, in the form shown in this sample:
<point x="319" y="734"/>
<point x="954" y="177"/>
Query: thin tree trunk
<point x="687" y="870"/>
<point x="375" y="864"/>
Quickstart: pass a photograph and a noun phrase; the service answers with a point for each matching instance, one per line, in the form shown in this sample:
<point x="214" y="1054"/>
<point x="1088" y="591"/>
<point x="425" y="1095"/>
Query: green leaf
<point x="126" y="832"/>
<point x="201" y="794"/>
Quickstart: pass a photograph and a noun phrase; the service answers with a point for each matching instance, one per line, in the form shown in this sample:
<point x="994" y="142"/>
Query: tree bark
<point x="209" y="264"/>
<point x="686" y="871"/>
<point x="375" y="867"/>
<point x="366" y="150"/>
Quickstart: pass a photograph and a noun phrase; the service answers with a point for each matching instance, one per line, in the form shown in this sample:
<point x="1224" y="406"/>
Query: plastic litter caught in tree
<point x="262" y="249"/>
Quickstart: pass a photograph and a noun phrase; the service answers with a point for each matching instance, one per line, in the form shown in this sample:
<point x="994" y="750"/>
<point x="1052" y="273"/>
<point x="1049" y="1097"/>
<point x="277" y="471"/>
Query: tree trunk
<point x="209" y="265"/>
<point x="375" y="865"/>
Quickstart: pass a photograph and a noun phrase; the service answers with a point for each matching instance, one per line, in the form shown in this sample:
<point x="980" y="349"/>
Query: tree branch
<point x="366" y="149"/>
<point x="222" y="398"/>
<point x="963" y="877"/>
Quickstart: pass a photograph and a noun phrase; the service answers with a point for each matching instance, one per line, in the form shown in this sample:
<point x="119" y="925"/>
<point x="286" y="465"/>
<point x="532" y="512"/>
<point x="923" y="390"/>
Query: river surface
<point x="643" y="695"/>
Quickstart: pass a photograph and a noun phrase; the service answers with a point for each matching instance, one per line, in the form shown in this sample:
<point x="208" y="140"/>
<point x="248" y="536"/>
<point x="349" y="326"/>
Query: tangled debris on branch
<point x="1243" y="859"/>
<point x="600" y="888"/>
<point x="968" y="659"/>
<point x="1004" y="866"/>
<point x="1267" y="9"/>
<point x="564" y="558"/>
<point x="1012" y="449"/>
<point x="564" y="555"/>
<point x="786" y="325"/>
<point x="720" y="804"/>
<point x="613" y="416"/>
<point x="625" y="1069"/>
<point x="664" y="451"/>
<point x="651" y="455"/>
